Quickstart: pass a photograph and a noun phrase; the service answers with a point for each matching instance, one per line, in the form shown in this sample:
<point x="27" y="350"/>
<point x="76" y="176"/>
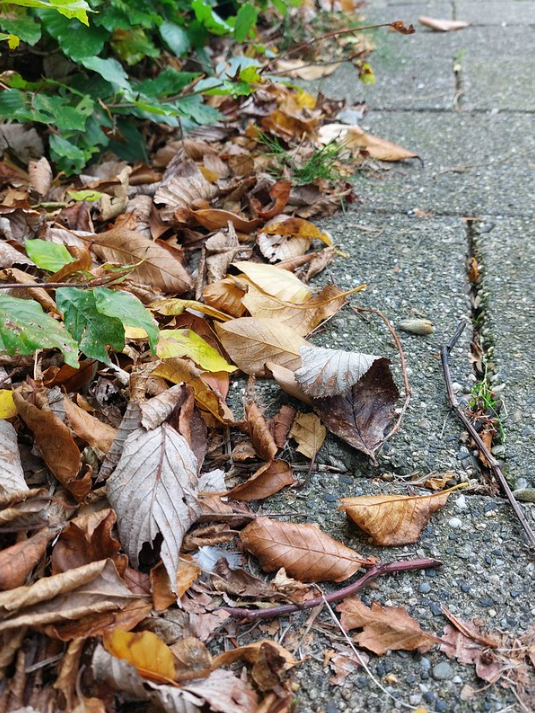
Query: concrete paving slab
<point x="507" y="248"/>
<point x="496" y="12"/>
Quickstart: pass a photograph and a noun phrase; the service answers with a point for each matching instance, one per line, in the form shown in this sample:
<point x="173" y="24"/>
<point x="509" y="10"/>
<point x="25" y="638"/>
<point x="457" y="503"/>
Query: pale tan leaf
<point x="309" y="433"/>
<point x="353" y="137"/>
<point x="394" y="519"/>
<point x="251" y="342"/>
<point x="304" y="70"/>
<point x="305" y="552"/>
<point x="328" y="372"/>
<point x="384" y="628"/>
<point x="90" y="429"/>
<point x="442" y="25"/>
<point x="285" y="378"/>
<point x="159" y="267"/>
<point x="93" y="588"/>
<point x="11" y="472"/>
<point x="275" y="282"/>
<point x="154" y="492"/>
<point x="175" y="307"/>
<point x="130" y="422"/>
<point x="225" y="295"/>
<point x="40" y="173"/>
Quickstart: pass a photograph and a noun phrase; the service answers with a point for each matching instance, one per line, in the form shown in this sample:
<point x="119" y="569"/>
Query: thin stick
<point x="338" y="595"/>
<point x="107" y="279"/>
<point x="493" y="464"/>
<point x="403" y="364"/>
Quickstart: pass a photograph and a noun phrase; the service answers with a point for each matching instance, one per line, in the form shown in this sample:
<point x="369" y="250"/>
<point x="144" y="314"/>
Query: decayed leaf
<point x="158" y="268"/>
<point x="154" y="491"/>
<point x="305" y="552"/>
<point x="465" y="642"/>
<point x="442" y="25"/>
<point x="11" y="472"/>
<point x="93" y="588"/>
<point x="251" y="342"/>
<point x="328" y="372"/>
<point x="309" y="433"/>
<point x="384" y="628"/>
<point x="361" y="415"/>
<point x="275" y="282"/>
<point x="353" y="137"/>
<point x="89" y="428"/>
<point x="268" y="479"/>
<point x="151" y="657"/>
<point x="17" y="561"/>
<point x="394" y="519"/>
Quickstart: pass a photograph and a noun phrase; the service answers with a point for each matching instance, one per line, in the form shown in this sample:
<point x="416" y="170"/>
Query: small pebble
<point x="441" y="705"/>
<point x="457" y="679"/>
<point x="425" y="664"/>
<point x="442" y="671"/>
<point x="465" y="587"/>
<point x="460" y="503"/>
<point x="455" y="522"/>
<point x="436" y="610"/>
<point x="425" y="588"/>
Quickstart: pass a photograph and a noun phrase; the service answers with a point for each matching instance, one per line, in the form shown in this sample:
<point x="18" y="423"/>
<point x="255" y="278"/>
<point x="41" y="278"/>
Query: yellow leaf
<point x="133" y="333"/>
<point x="7" y="405"/>
<point x="176" y="306"/>
<point x="184" y="342"/>
<point x="309" y="433"/>
<point x="275" y="281"/>
<point x="147" y="652"/>
<point x="298" y="228"/>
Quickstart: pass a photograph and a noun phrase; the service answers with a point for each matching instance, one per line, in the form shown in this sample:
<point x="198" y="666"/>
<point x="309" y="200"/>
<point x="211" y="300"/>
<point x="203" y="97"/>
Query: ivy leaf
<point x="128" y="309"/>
<point x="93" y="330"/>
<point x="25" y="328"/>
<point x="245" y="21"/>
<point x="47" y="255"/>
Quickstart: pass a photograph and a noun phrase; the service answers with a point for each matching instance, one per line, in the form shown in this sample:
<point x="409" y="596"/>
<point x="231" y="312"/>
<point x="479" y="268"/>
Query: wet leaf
<point x="394" y="519"/>
<point x="384" y="628"/>
<point x="154" y="492"/>
<point x="305" y="552"/>
<point x="328" y="372"/>
<point x="309" y="433"/>
<point x="251" y="342"/>
<point x="151" y="657"/>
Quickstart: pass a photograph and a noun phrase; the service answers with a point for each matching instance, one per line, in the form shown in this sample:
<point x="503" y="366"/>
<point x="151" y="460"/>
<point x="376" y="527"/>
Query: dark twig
<point x="96" y="282"/>
<point x="338" y="595"/>
<point x="403" y="364"/>
<point x="493" y="464"/>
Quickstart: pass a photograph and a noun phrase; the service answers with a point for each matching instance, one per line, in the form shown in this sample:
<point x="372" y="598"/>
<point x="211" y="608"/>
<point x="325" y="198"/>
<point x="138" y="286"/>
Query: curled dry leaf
<point x="353" y="137"/>
<point x="328" y="372"/>
<point x="394" y="519"/>
<point x="154" y="492"/>
<point x="215" y="219"/>
<point x="309" y="433"/>
<point x="185" y="189"/>
<point x="259" y="431"/>
<point x="225" y="295"/>
<point x="442" y="25"/>
<point x="17" y="561"/>
<point x="11" y="473"/>
<point x="268" y="480"/>
<point x="305" y="552"/>
<point x="252" y="652"/>
<point x="281" y="424"/>
<point x="384" y="628"/>
<point x="251" y="342"/>
<point x="90" y="429"/>
<point x="151" y="657"/>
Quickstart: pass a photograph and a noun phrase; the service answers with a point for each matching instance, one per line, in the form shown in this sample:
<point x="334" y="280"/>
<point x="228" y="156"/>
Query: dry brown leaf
<point x="394" y="519"/>
<point x="225" y="295"/>
<point x="187" y="187"/>
<point x="305" y="70"/>
<point x="11" y="472"/>
<point x="285" y="378"/>
<point x="93" y="588"/>
<point x="328" y="372"/>
<point x="145" y="650"/>
<point x="353" y="137"/>
<point x="281" y="424"/>
<point x="192" y="659"/>
<point x="442" y="25"/>
<point x="305" y="552"/>
<point x="361" y="415"/>
<point x="465" y="642"/>
<point x="83" y="262"/>
<point x="215" y="218"/>
<point x="273" y="281"/>
<point x="17" y="561"/>
<point x="309" y="433"/>
<point x="159" y="268"/>
<point x="96" y="624"/>
<point x="129" y="423"/>
<point x="35" y="293"/>
<point x="259" y="431"/>
<point x="251" y="653"/>
<point x="40" y="173"/>
<point x="280" y="193"/>
<point x="89" y="428"/>
<point x="268" y="479"/>
<point x="154" y="492"/>
<point x="251" y="342"/>
<point x="384" y="628"/>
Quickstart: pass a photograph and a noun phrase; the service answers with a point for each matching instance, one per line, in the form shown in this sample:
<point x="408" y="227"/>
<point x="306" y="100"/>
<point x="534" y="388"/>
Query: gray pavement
<point x="475" y="132"/>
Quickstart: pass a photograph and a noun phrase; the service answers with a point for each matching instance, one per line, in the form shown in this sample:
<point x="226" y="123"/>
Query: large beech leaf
<point x="361" y="415"/>
<point x="154" y="492"/>
<point x="159" y="268"/>
<point x="275" y="281"/>
<point x="146" y="651"/>
<point x="328" y="372"/>
<point x="252" y="342"/>
<point x="394" y="519"/>
<point x="384" y="628"/>
<point x="305" y="552"/>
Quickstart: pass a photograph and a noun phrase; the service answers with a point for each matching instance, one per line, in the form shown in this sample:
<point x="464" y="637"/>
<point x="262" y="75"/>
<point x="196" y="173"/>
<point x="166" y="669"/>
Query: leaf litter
<point x="130" y="303"/>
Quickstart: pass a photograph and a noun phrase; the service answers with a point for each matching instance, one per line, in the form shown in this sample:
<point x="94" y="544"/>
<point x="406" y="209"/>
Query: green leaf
<point x="93" y="330"/>
<point x="14" y="104"/>
<point x="25" y="328"/>
<point x="127" y="308"/>
<point x="175" y="37"/>
<point x="47" y="255"/>
<point x="170" y="81"/>
<point x="210" y="19"/>
<point x="62" y="149"/>
<point x="245" y="21"/>
<point x="56" y="110"/>
<point x="75" y="42"/>
<point x="133" y="45"/>
<point x="12" y="40"/>
<point x="86" y="195"/>
<point x="109" y="69"/>
<point x="22" y="25"/>
<point x="71" y="9"/>
<point x="185" y="342"/>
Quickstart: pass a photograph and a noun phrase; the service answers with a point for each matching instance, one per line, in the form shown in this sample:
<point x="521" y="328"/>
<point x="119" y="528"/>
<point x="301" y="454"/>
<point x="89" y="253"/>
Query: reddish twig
<point x="338" y="595"/>
<point x="493" y="464"/>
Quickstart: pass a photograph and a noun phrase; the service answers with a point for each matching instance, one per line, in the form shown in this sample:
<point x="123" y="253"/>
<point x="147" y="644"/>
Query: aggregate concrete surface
<point x="406" y="238"/>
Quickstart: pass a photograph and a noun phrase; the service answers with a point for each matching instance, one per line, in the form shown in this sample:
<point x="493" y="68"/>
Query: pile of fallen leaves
<point x="125" y="477"/>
